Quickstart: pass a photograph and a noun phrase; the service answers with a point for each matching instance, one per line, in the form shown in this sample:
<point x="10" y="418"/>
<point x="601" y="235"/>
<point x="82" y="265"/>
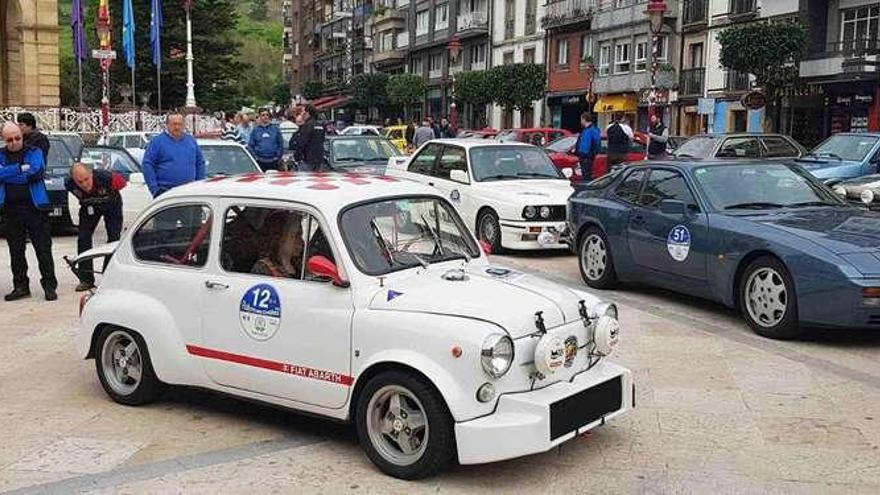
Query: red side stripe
<point x="292" y="369"/>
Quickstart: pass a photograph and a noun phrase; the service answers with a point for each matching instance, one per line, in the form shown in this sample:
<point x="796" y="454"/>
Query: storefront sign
<point x="661" y="97"/>
<point x="755" y="100"/>
<point x="854" y="100"/>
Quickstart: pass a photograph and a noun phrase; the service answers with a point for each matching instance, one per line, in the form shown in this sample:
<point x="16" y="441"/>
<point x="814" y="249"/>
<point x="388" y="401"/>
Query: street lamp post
<point x="190" y="84"/>
<point x="454" y="48"/>
<point x="102" y="28"/>
<point x="655" y="11"/>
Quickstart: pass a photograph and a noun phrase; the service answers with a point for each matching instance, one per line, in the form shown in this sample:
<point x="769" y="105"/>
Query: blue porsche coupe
<point x="766" y="238"/>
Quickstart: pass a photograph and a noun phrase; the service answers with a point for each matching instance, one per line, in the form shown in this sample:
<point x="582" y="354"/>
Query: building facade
<point x="517" y="37"/>
<point x="389" y="29"/>
<point x="29" y="66"/>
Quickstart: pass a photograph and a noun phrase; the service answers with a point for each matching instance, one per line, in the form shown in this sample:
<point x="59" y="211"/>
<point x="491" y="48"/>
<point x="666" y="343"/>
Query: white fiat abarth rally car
<point x="511" y="194"/>
<point x="359" y="298"/>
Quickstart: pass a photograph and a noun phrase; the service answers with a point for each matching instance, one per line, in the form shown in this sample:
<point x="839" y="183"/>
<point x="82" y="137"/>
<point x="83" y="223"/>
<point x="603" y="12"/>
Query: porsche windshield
<point x="760" y="186"/>
<point x="400" y="233"/>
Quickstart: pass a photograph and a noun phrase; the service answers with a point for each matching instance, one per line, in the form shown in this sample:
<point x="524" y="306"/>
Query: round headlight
<point x="840" y="191"/>
<point x="530" y="212"/>
<point x="867" y="196"/>
<point x="497" y="354"/>
<point x="604" y="309"/>
<point x="545" y="212"/>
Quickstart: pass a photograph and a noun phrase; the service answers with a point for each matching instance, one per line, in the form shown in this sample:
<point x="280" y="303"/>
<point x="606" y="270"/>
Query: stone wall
<point x="29" y="67"/>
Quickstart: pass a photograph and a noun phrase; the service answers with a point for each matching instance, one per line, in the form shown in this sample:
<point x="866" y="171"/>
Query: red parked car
<point x="562" y="155"/>
<point x="539" y="136"/>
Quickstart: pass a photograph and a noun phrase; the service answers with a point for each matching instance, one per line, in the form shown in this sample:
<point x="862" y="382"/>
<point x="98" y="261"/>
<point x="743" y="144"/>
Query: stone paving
<point x="719" y="410"/>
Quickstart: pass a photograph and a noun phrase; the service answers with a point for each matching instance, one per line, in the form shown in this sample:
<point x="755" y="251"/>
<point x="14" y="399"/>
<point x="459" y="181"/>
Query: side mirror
<point x="567" y="172"/>
<point x="459" y="176"/>
<point x="672" y="207"/>
<point x="136" y="178"/>
<point x="398" y="162"/>
<point x="320" y="266"/>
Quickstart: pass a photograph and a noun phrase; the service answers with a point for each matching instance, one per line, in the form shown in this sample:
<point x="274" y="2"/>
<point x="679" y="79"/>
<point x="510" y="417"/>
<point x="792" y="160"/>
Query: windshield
<point x="350" y="152"/>
<point x="227" y="160"/>
<point x="696" y="147"/>
<point x="845" y="147"/>
<point x="562" y="145"/>
<point x="110" y="159"/>
<point x="60" y="159"/>
<point x="512" y="162"/>
<point x="761" y="186"/>
<point x="395" y="234"/>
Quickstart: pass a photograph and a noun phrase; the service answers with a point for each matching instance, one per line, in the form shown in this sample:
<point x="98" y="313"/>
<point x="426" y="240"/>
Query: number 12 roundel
<point x="260" y="312"/>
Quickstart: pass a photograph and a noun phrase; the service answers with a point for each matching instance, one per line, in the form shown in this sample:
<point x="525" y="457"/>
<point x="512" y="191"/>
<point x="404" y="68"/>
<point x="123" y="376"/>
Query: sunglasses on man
<point x="13" y="139"/>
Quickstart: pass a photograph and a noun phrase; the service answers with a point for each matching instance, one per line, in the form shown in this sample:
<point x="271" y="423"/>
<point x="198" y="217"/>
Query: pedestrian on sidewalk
<point x="98" y="195"/>
<point x="446" y="129"/>
<point x="266" y="143"/>
<point x="309" y="147"/>
<point x="423" y="134"/>
<point x="409" y="135"/>
<point x="658" y="136"/>
<point x="587" y="146"/>
<point x="24" y="200"/>
<point x="172" y="158"/>
<point x="619" y="141"/>
<point x="33" y="137"/>
<point x="231" y="132"/>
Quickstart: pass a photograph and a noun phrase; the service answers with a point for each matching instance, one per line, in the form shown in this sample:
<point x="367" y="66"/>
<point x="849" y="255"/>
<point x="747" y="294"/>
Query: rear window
<point x="177" y="236"/>
<point x="778" y="147"/>
<point x="696" y="147"/>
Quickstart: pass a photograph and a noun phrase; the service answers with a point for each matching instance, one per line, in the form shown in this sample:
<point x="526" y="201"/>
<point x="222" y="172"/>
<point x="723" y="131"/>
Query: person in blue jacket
<point x="24" y="201"/>
<point x="587" y="146"/>
<point x="266" y="142"/>
<point x="172" y="158"/>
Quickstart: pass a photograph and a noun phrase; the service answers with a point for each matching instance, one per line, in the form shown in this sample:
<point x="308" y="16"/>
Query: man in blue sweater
<point x="172" y="158"/>
<point x="587" y="147"/>
<point x="266" y="142"/>
<point x="24" y="199"/>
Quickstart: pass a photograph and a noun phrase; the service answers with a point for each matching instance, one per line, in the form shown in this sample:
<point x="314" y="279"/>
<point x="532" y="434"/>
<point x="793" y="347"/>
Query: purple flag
<point x="77" y="22"/>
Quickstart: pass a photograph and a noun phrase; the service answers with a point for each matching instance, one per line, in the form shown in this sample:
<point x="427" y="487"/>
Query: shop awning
<point x="625" y="103"/>
<point x="333" y="102"/>
<point x="320" y="101"/>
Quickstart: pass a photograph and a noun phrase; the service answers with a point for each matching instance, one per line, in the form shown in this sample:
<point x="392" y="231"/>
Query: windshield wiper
<point x="434" y="235"/>
<point x="382" y="242"/>
<point x="499" y="177"/>
<point x="683" y="155"/>
<point x="535" y="174"/>
<point x="810" y="203"/>
<point x="756" y="205"/>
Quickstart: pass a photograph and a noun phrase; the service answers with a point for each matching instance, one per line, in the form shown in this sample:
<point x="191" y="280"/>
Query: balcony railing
<point x="564" y="12"/>
<point x="742" y="7"/>
<point x="849" y="49"/>
<point x="736" y="81"/>
<point x="472" y="20"/>
<point x="692" y="82"/>
<point x="695" y="12"/>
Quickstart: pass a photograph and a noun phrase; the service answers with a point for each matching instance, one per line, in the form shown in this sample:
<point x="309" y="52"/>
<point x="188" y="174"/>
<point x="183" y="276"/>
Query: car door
<point x="674" y="243"/>
<point x="458" y="192"/>
<point x="421" y="167"/>
<point x="269" y="331"/>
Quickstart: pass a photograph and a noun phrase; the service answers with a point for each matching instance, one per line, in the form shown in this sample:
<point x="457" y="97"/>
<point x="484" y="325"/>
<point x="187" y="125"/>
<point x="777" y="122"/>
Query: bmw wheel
<point x="489" y="230"/>
<point x="124" y="367"/>
<point x="768" y="300"/>
<point x="404" y="426"/>
<point x="595" y="261"/>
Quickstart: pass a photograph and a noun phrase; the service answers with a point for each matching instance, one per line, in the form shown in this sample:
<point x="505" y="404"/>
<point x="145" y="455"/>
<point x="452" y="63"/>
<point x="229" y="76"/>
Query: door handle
<point x="431" y="184"/>
<point x="638" y="219"/>
<point x="215" y="285"/>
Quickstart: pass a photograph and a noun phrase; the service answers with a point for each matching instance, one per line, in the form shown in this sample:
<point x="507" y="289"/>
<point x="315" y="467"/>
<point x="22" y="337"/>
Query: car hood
<point x="490" y="293"/>
<point x="839" y="230"/>
<point x="362" y="168"/>
<point x="830" y="168"/>
<point x="534" y="192"/>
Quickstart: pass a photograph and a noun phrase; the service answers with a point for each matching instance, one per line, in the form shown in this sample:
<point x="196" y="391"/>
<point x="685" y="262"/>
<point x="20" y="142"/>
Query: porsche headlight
<point x="497" y="354"/>
<point x="840" y="191"/>
<point x="529" y="212"/>
<point x="545" y="212"/>
<point x="867" y="196"/>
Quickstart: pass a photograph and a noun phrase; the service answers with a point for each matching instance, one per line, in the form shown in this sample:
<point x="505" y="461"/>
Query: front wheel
<point x="404" y="426"/>
<point x="489" y="230"/>
<point x="124" y="368"/>
<point x="594" y="260"/>
<point x="767" y="299"/>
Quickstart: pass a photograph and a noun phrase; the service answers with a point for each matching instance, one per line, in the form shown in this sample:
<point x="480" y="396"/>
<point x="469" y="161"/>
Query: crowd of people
<point x="620" y="136"/>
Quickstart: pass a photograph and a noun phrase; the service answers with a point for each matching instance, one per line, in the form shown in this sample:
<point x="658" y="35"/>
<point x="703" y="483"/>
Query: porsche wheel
<point x="124" y="367"/>
<point x="489" y="230"/>
<point x="767" y="299"/>
<point x="404" y="426"/>
<point x="595" y="261"/>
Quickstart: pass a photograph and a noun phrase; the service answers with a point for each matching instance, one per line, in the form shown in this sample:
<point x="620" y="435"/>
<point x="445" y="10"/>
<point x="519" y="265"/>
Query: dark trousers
<point x="268" y="165"/>
<point x="23" y="221"/>
<point x="308" y="167"/>
<point x="616" y="159"/>
<point x="88" y="221"/>
<point x="586" y="165"/>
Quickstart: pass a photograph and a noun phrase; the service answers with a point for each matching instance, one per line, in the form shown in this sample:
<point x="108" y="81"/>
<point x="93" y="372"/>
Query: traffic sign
<point x="104" y="54"/>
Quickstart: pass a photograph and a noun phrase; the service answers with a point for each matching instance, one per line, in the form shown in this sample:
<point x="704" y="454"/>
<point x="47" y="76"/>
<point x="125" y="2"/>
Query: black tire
<point x="488" y="219"/>
<point x="147" y="389"/>
<point x="439" y="452"/>
<point x="608" y="277"/>
<point x="774" y="272"/>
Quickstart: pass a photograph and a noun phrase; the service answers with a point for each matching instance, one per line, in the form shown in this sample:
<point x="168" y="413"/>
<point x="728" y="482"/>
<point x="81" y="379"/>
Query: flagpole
<point x="79" y="68"/>
<point x="159" y="87"/>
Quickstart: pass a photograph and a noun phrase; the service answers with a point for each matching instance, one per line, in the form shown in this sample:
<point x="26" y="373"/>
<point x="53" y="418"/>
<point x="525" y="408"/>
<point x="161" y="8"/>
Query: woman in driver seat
<point x="282" y="247"/>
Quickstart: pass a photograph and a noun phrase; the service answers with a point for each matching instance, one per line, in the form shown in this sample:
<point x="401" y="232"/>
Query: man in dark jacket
<point x="410" y="133"/>
<point x="266" y="142"/>
<point x="33" y="138"/>
<point x="24" y="199"/>
<point x="446" y="129"/>
<point x="309" y="146"/>
<point x="619" y="142"/>
<point x="98" y="195"/>
<point x="658" y="136"/>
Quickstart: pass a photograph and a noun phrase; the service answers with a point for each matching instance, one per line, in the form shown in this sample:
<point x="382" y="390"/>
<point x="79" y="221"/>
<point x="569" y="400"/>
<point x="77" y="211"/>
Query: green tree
<point x="312" y="90"/>
<point x="476" y="88"/>
<point x="769" y="51"/>
<point x="259" y="10"/>
<point x="369" y="91"/>
<point x="406" y="89"/>
<point x="518" y="86"/>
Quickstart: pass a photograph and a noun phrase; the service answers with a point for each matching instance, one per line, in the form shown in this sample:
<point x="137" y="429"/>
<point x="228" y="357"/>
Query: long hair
<point x="276" y="226"/>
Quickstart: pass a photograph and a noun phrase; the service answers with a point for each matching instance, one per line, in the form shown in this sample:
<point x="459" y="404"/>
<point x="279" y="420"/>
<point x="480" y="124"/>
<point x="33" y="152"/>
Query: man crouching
<point x="98" y="195"/>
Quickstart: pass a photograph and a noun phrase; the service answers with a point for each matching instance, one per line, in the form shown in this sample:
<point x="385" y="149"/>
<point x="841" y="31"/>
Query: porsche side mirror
<point x="672" y="207"/>
<point x="320" y="266"/>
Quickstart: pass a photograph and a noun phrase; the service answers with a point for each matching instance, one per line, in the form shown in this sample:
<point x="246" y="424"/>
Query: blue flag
<point x="128" y="33"/>
<point x="156" y="31"/>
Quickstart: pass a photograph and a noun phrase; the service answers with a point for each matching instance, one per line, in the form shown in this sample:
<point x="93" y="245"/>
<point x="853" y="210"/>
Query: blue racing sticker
<point x="260" y="312"/>
<point x="678" y="242"/>
<point x="393" y="294"/>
